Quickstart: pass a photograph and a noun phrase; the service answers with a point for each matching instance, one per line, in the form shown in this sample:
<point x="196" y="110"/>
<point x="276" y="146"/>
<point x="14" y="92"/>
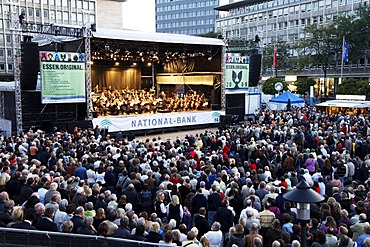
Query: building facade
<point x="62" y="12"/>
<point x="191" y="17"/>
<point x="285" y="20"/>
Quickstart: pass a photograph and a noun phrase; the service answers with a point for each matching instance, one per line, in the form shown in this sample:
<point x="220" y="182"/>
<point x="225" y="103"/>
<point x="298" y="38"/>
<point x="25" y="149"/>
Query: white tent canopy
<point x="155" y="37"/>
<point x="346" y="103"/>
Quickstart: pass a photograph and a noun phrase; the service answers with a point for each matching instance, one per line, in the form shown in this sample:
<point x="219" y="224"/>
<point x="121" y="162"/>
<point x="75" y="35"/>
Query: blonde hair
<point x="17" y="214"/>
<point x="2" y="180"/>
<point x="154" y="227"/>
<point x="175" y="200"/>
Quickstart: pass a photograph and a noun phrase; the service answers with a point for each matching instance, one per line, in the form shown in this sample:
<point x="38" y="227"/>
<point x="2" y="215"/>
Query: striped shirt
<point x="266" y="218"/>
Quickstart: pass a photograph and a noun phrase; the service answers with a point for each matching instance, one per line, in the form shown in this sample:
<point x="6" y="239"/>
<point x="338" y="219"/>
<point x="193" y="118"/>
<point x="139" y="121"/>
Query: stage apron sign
<point x="156" y="121"/>
<point x="62" y="77"/>
<point x="236" y="71"/>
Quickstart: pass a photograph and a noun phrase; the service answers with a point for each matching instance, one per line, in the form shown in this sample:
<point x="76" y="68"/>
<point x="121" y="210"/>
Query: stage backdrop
<point x="116" y="77"/>
<point x="62" y="77"/>
<point x="156" y="121"/>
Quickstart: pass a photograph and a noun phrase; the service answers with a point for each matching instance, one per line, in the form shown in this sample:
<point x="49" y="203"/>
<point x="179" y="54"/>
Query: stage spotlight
<point x="117" y="63"/>
<point x="134" y="64"/>
<point x="91" y="62"/>
<point x="210" y="59"/>
<point x="149" y="64"/>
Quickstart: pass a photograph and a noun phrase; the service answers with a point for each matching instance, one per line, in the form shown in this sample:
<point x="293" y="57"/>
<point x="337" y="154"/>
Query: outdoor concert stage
<point x="158" y="121"/>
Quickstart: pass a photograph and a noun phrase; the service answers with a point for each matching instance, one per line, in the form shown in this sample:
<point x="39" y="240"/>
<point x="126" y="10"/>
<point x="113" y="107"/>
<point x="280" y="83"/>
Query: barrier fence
<point x="19" y="238"/>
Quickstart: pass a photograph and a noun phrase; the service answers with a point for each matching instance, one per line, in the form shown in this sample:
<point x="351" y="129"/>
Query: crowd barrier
<point x="19" y="237"/>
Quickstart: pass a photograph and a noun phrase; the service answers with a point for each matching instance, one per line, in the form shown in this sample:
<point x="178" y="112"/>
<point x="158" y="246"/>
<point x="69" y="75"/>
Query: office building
<point x="286" y="20"/>
<point x="192" y="17"/>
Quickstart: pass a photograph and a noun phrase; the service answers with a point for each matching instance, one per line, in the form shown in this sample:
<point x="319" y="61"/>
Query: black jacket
<point x="23" y="225"/>
<point x="201" y="223"/>
<point x="225" y="217"/>
<point x="77" y="223"/>
<point x="46" y="225"/>
<point x="236" y="239"/>
<point x="199" y="201"/>
<point x="154" y="237"/>
<point x="214" y="201"/>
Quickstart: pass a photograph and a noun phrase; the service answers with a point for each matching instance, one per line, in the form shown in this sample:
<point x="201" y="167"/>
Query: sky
<point x="140" y="14"/>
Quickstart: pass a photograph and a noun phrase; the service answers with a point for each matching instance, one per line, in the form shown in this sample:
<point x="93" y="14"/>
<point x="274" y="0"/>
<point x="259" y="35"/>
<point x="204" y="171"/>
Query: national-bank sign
<point x="163" y="120"/>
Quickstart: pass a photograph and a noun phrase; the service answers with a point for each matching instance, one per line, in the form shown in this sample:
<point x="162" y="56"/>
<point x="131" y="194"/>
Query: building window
<point x="9" y="53"/>
<point x="1" y="52"/>
<point x="8" y="38"/>
<point x="2" y="67"/>
<point x="30" y="12"/>
<point x="38" y="12"/>
<point x="10" y="67"/>
<point x="46" y="13"/>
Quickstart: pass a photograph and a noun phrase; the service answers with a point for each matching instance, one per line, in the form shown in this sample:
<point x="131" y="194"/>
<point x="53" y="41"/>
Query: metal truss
<point x="2" y="105"/>
<point x="223" y="88"/>
<point x="53" y="29"/>
<point x="88" y="34"/>
<point x="16" y="47"/>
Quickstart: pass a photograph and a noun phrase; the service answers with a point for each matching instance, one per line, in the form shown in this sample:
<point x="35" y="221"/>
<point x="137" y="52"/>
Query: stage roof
<point x="234" y="5"/>
<point x="155" y="37"/>
<point x="346" y="103"/>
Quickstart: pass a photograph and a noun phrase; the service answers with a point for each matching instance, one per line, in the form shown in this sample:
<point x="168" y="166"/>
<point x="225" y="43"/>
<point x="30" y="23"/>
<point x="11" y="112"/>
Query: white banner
<point x="156" y="121"/>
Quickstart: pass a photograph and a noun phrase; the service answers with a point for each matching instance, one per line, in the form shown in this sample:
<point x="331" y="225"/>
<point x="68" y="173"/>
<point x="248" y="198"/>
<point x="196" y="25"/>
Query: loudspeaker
<point x="254" y="69"/>
<point x="29" y="65"/>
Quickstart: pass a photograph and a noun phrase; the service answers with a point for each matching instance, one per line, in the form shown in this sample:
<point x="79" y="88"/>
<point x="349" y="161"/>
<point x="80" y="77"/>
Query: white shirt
<point x="243" y="213"/>
<point x="214" y="237"/>
<point x="91" y="176"/>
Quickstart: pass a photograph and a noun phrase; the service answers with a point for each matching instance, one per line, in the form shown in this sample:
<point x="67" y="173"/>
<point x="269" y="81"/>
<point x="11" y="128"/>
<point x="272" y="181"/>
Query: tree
<point x="303" y="85"/>
<point x="210" y="35"/>
<point x="283" y="56"/>
<point x="354" y="87"/>
<point x="269" y="85"/>
<point x="323" y="46"/>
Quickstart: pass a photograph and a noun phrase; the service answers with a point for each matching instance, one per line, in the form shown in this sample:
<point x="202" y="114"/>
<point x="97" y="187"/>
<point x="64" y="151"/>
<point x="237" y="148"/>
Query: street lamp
<point x="303" y="195"/>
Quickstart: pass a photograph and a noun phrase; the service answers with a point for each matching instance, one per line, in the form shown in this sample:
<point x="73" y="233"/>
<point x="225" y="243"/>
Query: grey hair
<point x="257" y="242"/>
<point x="89" y="220"/>
<point x="296" y="243"/>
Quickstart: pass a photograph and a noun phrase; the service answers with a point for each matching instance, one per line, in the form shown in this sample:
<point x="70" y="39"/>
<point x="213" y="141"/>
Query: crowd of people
<point x="222" y="188"/>
<point x="132" y="101"/>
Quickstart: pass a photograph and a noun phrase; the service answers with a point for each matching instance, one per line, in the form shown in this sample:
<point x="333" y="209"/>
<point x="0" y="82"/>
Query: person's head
<point x="124" y="221"/>
<point x="191" y="235"/>
<point x="89" y="220"/>
<point x="276" y="225"/>
<point x="216" y="226"/>
<point x="239" y="229"/>
<point x="257" y="242"/>
<point x="320" y="237"/>
<point x="175" y="200"/>
<point x="112" y="215"/>
<point x="254" y="227"/>
<point x="296" y="243"/>
<point x="39" y="208"/>
<point x="168" y="237"/>
<point x="343" y="240"/>
<point x="9" y="205"/>
<point x="140" y="229"/>
<point x="202" y="211"/>
<point x="155" y="227"/>
<point x="104" y="228"/>
<point x="67" y="226"/>
<point x="17" y="214"/>
<point x="80" y="211"/>
<point x="286" y="218"/>
<point x="49" y="213"/>
<point x="276" y="243"/>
